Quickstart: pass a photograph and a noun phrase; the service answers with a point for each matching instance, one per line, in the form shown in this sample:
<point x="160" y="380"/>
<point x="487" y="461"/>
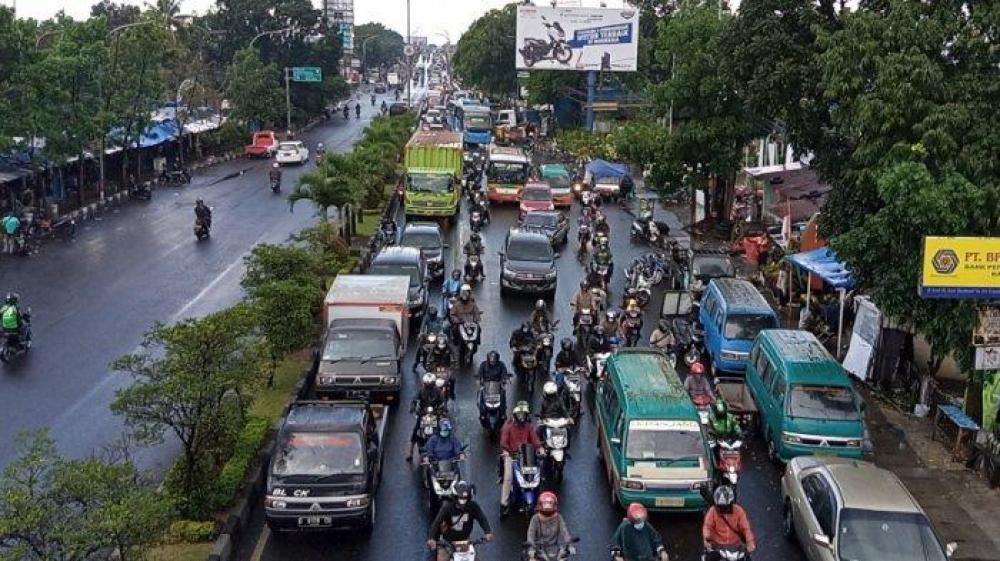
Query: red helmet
<point x="698" y="368"/>
<point x="636" y="512"/>
<point x="548" y="503"/>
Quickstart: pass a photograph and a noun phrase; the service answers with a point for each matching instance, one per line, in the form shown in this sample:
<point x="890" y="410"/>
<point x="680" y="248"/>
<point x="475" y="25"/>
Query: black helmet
<point x="476" y="237"/>
<point x="199" y="202"/>
<point x="663" y="325"/>
<point x="456" y="274"/>
<point x="432" y="311"/>
<point x="492" y="357"/>
<point x="599" y="329"/>
<point x="463" y="493"/>
<point x="525" y="327"/>
<point x="566" y="344"/>
<point x="11" y="298"/>
<point x="583" y="284"/>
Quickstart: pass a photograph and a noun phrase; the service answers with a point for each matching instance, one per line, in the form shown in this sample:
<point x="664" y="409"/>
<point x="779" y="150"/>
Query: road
<point x="93" y="298"/>
<point x="403" y="516"/>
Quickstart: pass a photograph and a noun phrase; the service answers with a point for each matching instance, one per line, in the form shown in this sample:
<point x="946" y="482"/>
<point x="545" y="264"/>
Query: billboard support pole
<point x="591" y="94"/>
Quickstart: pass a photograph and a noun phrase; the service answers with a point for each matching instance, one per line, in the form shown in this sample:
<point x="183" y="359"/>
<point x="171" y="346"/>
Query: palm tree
<point x="334" y="183"/>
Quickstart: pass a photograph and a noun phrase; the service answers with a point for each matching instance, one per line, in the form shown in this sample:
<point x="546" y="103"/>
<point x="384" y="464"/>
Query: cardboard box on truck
<point x="369" y="296"/>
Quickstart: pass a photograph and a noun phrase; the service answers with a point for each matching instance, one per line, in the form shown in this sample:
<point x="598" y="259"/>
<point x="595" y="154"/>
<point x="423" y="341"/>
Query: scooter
<point x="728" y="460"/>
<point x="525" y="481"/>
<point x="703" y="403"/>
<point x="550" y="553"/>
<point x="473" y="269"/>
<point x="649" y="231"/>
<point x="492" y="404"/>
<point x="469" y="332"/>
<point x="13" y="344"/>
<point x="428" y="423"/>
<point x="725" y="553"/>
<point x="584" y="326"/>
<point x="688" y="340"/>
<point x="442" y="477"/>
<point x="201" y="229"/>
<point x="476" y="221"/>
<point x="555" y="433"/>
<point x="461" y="550"/>
<point x="275" y="186"/>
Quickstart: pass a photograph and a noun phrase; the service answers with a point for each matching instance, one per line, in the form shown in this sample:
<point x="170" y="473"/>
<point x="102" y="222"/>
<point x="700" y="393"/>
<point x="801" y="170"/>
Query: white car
<point x="292" y="152"/>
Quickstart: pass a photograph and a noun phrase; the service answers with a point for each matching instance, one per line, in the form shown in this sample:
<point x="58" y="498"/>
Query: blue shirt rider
<point x="443" y="446"/>
<point x="450" y="288"/>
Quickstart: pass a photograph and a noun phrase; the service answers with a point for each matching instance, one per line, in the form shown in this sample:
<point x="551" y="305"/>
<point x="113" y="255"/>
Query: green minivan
<point x="650" y="439"/>
<point x="806" y="401"/>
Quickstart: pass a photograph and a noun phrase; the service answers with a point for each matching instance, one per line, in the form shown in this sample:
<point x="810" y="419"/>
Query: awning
<point x="601" y="168"/>
<point x="13" y="175"/>
<point x="824" y="264"/>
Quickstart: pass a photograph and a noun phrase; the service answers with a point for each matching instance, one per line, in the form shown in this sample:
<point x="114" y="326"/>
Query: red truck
<point x="263" y="145"/>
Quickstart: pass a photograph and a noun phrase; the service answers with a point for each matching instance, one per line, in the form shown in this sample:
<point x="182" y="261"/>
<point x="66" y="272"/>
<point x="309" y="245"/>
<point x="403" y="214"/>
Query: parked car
<point x="427" y="237"/>
<point x="380" y="88"/>
<point x="263" y="145"/>
<point x="527" y="263"/>
<point x="292" y="152"/>
<point x="536" y="195"/>
<point x="552" y="223"/>
<point x="839" y="508"/>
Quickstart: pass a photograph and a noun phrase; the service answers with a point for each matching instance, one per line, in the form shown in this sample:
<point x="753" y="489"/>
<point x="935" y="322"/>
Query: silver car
<point x="841" y="509"/>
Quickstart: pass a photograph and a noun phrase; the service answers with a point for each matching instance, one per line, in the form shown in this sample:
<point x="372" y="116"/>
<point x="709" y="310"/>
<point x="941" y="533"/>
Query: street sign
<point x="988" y="358"/>
<point x="409" y="50"/>
<point x="307" y="74"/>
<point x="987" y="329"/>
<point x="961" y="267"/>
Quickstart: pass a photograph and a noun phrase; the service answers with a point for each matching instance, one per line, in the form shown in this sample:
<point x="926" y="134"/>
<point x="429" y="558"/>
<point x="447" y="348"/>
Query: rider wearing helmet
<point x="726" y="523"/>
<point x="451" y="287"/>
<point x="493" y="369"/>
<point x="474" y="246"/>
<point x="567" y="357"/>
<point x="517" y="431"/>
<point x="443" y="446"/>
<point x="662" y="337"/>
<point x="553" y="404"/>
<point x="465" y="309"/>
<point x="522" y="336"/>
<point x="203" y="213"/>
<point x="540" y="320"/>
<point x="439" y="356"/>
<point x="612" y="324"/>
<point x="633" y="321"/>
<point x="598" y="341"/>
<point x="721" y="422"/>
<point x="697" y="384"/>
<point x="636" y="540"/>
<point x="430" y="396"/>
<point x="274" y="174"/>
<point x="432" y="323"/>
<point x="15" y="323"/>
<point x="455" y="521"/>
<point x="584" y="299"/>
<point x="547" y="529"/>
<point x="357" y="109"/>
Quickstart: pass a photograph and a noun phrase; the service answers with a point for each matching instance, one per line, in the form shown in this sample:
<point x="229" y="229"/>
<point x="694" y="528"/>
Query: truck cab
<point x="360" y="357"/>
<point x="326" y="467"/>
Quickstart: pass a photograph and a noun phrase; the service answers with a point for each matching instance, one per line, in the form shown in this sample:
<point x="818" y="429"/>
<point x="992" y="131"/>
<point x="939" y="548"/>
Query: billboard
<point x="960" y="268"/>
<point x="565" y="38"/>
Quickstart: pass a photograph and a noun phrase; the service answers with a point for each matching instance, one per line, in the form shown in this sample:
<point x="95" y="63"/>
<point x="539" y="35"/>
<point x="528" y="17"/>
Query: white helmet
<point x="550" y="388"/>
<point x="428" y="379"/>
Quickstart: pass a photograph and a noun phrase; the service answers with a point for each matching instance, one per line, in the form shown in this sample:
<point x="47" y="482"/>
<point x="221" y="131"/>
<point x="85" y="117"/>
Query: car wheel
<point x="772" y="450"/>
<point x="787" y="522"/>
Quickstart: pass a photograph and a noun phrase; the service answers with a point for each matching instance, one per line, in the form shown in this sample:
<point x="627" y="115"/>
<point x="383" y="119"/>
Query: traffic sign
<point x="307" y="74"/>
<point x="409" y="50"/>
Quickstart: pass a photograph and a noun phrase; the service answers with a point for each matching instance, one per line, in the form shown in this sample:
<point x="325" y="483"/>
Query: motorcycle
<point x="556" y="48"/>
<point x="650" y="231"/>
<point x="583" y="238"/>
<point x="473" y="269"/>
<point x="443" y="373"/>
<point x="347" y="113"/>
<point x="703" y="403"/>
<point x="175" y="177"/>
<point x="476" y="221"/>
<point x="689" y="340"/>
<point x="14" y="345"/>
<point x="725" y="553"/>
<point x="639" y="285"/>
<point x="631" y="326"/>
<point x="442" y="477"/>
<point x="603" y="269"/>
<point x="555" y="433"/>
<point x="526" y="479"/>
<point x="469" y="333"/>
<point x="545" y="350"/>
<point x="526" y="365"/>
<point x="461" y="550"/>
<point x="597" y="366"/>
<point x="492" y="404"/>
<point x="275" y="186"/>
<point x="428" y="423"/>
<point x="549" y="553"/>
<point x="201" y="229"/>
<point x="572" y="379"/>
<point x="728" y="454"/>
<point x="141" y="191"/>
<point x="584" y="326"/>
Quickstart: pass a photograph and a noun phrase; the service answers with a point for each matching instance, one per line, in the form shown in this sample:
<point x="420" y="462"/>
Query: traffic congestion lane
<point x="403" y="516"/>
<point x="93" y="298"/>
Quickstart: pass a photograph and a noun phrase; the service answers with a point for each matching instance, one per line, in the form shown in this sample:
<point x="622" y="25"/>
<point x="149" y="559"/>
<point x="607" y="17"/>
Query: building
<point x="339" y="15"/>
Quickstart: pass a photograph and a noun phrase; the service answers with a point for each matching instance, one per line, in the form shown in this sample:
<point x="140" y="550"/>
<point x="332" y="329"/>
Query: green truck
<point x="433" y="174"/>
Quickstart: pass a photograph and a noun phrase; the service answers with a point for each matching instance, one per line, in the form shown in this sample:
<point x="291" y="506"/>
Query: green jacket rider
<point x="722" y="423"/>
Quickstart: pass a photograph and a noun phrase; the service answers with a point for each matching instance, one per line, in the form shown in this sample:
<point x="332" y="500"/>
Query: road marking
<point x="258" y="548"/>
<point x="218" y="278"/>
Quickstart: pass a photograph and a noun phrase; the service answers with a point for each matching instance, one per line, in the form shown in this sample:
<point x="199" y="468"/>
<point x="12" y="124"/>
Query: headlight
<point x="509" y="275"/>
<point x="633" y="485"/>
<point x="550" y="276"/>
<point x="354" y="503"/>
<point x="734" y="355"/>
<point x="277" y="503"/>
<point x="326" y="380"/>
<point x="856" y="443"/>
<point x="789" y="438"/>
<point x="389" y="380"/>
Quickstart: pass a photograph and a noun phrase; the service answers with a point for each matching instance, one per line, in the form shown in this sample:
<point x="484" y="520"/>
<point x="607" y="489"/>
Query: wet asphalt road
<point x="92" y="298"/>
<point x="403" y="516"/>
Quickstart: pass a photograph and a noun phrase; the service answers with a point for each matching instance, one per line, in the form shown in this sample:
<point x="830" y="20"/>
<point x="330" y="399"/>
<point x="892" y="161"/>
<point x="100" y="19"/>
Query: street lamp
<point x="364" y="54"/>
<point x="187" y="84"/>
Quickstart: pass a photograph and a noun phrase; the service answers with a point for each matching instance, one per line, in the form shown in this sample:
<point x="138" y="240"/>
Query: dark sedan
<point x="551" y="223"/>
<point x="527" y="263"/>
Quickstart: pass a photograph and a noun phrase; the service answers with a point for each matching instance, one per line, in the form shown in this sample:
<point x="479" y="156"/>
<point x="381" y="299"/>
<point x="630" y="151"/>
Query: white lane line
<point x="218" y="278"/>
<point x="258" y="548"/>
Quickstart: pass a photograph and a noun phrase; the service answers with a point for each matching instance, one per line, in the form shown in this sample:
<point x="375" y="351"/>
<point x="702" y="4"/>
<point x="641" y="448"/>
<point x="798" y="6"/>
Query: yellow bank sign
<point x="961" y="268"/>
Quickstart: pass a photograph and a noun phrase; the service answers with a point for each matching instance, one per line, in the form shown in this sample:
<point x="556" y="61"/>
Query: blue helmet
<point x="444" y="427"/>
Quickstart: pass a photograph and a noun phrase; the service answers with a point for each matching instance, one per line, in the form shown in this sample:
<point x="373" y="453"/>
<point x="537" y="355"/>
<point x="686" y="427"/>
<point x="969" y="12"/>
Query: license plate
<point x="824" y="452"/>
<point x="669" y="502"/>
<point x="315" y="521"/>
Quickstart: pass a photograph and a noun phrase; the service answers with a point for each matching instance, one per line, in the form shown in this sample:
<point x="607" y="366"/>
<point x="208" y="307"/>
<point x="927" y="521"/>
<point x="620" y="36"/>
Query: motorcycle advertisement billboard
<point x="580" y="39"/>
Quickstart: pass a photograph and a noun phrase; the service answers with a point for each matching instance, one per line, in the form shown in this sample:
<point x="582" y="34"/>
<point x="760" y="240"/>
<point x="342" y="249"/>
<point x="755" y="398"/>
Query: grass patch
<point x="271" y="401"/>
<point x="180" y="552"/>
<point x="370" y="225"/>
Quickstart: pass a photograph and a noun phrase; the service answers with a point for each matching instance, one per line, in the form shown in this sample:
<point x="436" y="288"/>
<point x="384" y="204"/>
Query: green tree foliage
<point x="547" y="86"/>
<point x="484" y="55"/>
<point x="114" y="13"/>
<point x="252" y="87"/>
<point x="286" y="314"/>
<point x="55" y="508"/>
<point x="267" y="264"/>
<point x="383" y="50"/>
<point x="334" y="183"/>
<point x="193" y="379"/>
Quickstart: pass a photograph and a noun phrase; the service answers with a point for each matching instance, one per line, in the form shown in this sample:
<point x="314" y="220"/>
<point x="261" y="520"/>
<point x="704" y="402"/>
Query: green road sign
<point x="307" y="74"/>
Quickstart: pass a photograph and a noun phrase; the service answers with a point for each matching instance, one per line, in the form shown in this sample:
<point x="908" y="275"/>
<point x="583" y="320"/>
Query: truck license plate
<point x="669" y="502"/>
<point x="315" y="521"/>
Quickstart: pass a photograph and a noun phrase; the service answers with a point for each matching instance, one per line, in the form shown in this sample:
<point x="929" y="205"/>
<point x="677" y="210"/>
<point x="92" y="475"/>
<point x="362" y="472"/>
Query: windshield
<point x="358" y="345"/>
<point x="288" y="146"/>
<point x="529" y="250"/>
<point x="607" y="180"/>
<point x="887" y="536"/>
<point x="507" y="172"/>
<point x="714" y="268"/>
<point x="430" y="183"/>
<point x="661" y="444"/>
<point x="747" y="327"/>
<point x="422" y="240"/>
<point x="829" y="403"/>
<point x="536" y="194"/>
<point x="538" y="219"/>
<point x="394" y="270"/>
<point x="477" y="123"/>
<point x="558" y="181"/>
<point x="304" y="453"/>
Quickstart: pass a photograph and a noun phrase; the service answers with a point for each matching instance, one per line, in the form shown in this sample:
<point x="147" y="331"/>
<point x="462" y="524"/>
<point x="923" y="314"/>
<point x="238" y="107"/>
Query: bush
<point x="192" y="531"/>
<point x="234" y="471"/>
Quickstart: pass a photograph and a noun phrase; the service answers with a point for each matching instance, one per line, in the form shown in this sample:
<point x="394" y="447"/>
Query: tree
<point x="252" y="88"/>
<point x="115" y="14"/>
<point x="334" y="183"/>
<point x="286" y="314"/>
<point x="193" y="379"/>
<point x="484" y="55"/>
<point x="54" y="508"/>
<point x="267" y="264"/>
<point x="378" y="45"/>
<point x="547" y="86"/>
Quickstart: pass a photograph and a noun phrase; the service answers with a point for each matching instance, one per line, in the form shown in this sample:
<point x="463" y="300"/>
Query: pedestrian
<point x="627" y="187"/>
<point x="11" y="227"/>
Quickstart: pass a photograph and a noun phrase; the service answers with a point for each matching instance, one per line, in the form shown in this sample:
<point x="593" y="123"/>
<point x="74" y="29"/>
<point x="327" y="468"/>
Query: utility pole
<point x="409" y="59"/>
<point x="288" y="103"/>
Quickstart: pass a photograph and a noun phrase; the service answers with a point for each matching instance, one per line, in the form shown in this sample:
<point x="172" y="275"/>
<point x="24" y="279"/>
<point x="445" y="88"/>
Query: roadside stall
<point x="823" y="263"/>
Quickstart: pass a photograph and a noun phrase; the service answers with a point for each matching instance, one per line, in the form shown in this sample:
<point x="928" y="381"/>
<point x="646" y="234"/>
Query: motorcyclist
<point x="274" y="174"/>
<point x="662" y="337"/>
<point x="584" y="299"/>
<point x="568" y="357"/>
<point x="455" y="521"/>
<point x="547" y="529"/>
<point x="474" y="246"/>
<point x="601" y="225"/>
<point x="388" y="228"/>
<point x="432" y="324"/>
<point x="384" y="107"/>
<point x="726" y="524"/>
<point x="540" y="320"/>
<point x="697" y="384"/>
<point x="465" y="309"/>
<point x="373" y="100"/>
<point x="439" y="357"/>
<point x="480" y="203"/>
<point x="636" y="540"/>
<point x="493" y="369"/>
<point x="431" y="396"/>
<point x="357" y="109"/>
<point x="721" y="423"/>
<point x="611" y="324"/>
<point x="602" y="256"/>
<point x="13" y="321"/>
<point x="450" y="287"/>
<point x="554" y="405"/>
<point x="202" y="213"/>
<point x="347" y="111"/>
<point x="518" y="430"/>
<point x="443" y="446"/>
<point x="522" y="337"/>
<point x="598" y="342"/>
<point x="594" y="278"/>
<point x="633" y="318"/>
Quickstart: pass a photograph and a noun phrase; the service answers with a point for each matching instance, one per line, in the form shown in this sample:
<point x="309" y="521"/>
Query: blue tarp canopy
<point x="159" y="133"/>
<point x="602" y="168"/>
<point x="824" y="264"/>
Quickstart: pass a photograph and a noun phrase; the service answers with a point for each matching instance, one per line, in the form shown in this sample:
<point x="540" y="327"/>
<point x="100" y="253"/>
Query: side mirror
<point x="822" y="540"/>
<point x="618" y="442"/>
<point x="556" y="255"/>
<point x="950" y="549"/>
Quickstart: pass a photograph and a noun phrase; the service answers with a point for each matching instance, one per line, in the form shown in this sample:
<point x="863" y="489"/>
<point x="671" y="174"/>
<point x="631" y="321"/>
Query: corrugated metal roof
<point x="650" y="383"/>
<point x="741" y="296"/>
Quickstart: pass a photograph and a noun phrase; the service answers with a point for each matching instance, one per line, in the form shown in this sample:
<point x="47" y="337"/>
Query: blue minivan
<point x="732" y="313"/>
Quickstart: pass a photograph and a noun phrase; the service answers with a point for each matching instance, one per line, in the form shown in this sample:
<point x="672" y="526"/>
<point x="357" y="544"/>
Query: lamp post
<point x="364" y="54"/>
<point x="409" y="59"/>
<point x="185" y="85"/>
<point x="288" y="94"/>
